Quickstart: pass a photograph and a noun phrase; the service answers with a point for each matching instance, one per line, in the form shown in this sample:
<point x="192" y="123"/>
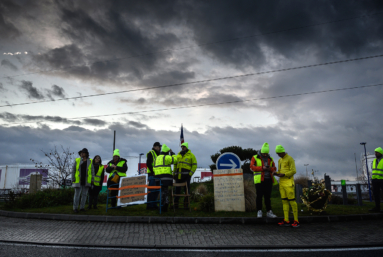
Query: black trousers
<point x="377" y="187"/>
<point x="164" y="198"/>
<point x="264" y="191"/>
<point x="178" y="191"/>
<point x="93" y="195"/>
<point x="113" y="192"/>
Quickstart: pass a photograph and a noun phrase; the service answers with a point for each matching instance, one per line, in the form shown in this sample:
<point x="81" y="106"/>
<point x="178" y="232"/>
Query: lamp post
<point x="139" y="163"/>
<point x="368" y="175"/>
<point x="306" y="168"/>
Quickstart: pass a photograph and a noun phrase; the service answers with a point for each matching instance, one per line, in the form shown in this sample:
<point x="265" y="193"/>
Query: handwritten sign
<point x="229" y="194"/>
<point x="130" y="181"/>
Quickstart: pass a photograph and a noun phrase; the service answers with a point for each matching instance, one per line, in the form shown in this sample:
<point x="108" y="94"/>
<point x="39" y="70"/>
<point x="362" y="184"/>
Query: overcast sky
<point x="58" y="49"/>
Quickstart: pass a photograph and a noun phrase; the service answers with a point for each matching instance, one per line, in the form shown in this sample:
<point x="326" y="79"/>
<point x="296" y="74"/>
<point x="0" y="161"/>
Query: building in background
<point x="16" y="176"/>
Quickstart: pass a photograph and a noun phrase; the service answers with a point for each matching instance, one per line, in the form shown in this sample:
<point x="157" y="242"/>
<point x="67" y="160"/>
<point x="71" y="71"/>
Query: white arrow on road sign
<point x="232" y="165"/>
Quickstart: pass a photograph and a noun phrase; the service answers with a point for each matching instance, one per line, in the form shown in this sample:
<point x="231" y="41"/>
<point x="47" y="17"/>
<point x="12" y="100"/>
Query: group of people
<point x="88" y="174"/>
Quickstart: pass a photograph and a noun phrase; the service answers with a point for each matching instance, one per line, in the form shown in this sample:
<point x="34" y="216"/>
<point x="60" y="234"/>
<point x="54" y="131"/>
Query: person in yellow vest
<point x="82" y="179"/>
<point x="286" y="171"/>
<point x="163" y="169"/>
<point x="263" y="167"/>
<point x="184" y="169"/>
<point x="150" y="157"/>
<point x="116" y="168"/>
<point x="377" y="178"/>
<point x="96" y="187"/>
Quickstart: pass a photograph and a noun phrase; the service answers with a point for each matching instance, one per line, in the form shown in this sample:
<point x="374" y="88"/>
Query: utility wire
<point x="220" y="103"/>
<point x="198" y="81"/>
<point x="203" y="44"/>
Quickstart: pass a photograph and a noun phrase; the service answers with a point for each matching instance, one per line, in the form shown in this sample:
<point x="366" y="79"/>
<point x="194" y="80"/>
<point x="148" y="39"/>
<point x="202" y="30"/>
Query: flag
<point x="182" y="135"/>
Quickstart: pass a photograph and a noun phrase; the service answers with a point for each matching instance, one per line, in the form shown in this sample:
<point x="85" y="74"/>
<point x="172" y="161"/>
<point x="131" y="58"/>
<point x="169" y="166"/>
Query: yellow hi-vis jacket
<point x="286" y="165"/>
<point x="77" y="174"/>
<point x="377" y="170"/>
<point x="258" y="173"/>
<point x="97" y="178"/>
<point x="163" y="164"/>
<point x="185" y="165"/>
<point x="119" y="164"/>
<point x="153" y="153"/>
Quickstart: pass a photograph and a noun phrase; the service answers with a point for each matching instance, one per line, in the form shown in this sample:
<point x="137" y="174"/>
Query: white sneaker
<point x="270" y="214"/>
<point x="259" y="214"/>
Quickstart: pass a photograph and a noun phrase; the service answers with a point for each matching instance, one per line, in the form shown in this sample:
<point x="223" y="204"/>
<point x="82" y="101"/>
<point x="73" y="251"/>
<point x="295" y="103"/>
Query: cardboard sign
<point x="229" y="194"/>
<point x="130" y="181"/>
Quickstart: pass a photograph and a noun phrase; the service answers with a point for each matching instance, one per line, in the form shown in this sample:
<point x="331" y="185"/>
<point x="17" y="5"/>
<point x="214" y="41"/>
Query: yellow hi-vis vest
<point x="77" y="174"/>
<point x="377" y="172"/>
<point x="186" y="162"/>
<point x="154" y="157"/>
<point x="163" y="164"/>
<point x="97" y="177"/>
<point x="258" y="175"/>
<point x="119" y="164"/>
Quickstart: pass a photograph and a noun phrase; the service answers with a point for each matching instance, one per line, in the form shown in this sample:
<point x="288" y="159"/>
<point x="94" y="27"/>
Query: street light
<point x="368" y="175"/>
<point x="139" y="163"/>
<point x="306" y="169"/>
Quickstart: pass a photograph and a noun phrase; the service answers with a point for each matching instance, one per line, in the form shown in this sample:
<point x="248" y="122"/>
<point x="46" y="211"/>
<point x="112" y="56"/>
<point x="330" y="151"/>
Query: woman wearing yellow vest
<point x="263" y="167"/>
<point x="286" y="171"/>
<point x="82" y="179"/>
<point x="116" y="168"/>
<point x="377" y="178"/>
<point x="95" y="189"/>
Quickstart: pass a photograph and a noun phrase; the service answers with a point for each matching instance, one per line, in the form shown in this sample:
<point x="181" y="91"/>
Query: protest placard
<point x="137" y="196"/>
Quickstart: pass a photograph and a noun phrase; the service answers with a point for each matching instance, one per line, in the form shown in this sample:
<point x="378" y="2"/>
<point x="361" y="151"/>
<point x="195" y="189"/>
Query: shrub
<point x="250" y="195"/>
<point x="102" y="198"/>
<point x="206" y="203"/>
<point x="301" y="180"/>
<point x="202" y="190"/>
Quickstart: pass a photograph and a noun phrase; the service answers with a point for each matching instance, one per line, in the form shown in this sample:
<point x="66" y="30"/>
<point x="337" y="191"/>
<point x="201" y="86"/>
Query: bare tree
<point x="59" y="164"/>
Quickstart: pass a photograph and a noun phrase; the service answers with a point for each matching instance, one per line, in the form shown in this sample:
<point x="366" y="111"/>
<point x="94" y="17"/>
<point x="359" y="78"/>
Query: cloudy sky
<point x="163" y="63"/>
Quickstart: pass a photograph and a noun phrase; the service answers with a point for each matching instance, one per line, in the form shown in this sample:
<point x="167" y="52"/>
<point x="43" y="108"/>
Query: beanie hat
<point x="379" y="150"/>
<point x="186" y="144"/>
<point x="279" y="149"/>
<point x="265" y="148"/>
<point x="165" y="148"/>
<point x="116" y="152"/>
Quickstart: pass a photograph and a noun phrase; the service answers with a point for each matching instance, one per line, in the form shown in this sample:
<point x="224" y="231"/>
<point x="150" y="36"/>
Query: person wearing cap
<point x="286" y="171"/>
<point x="82" y="179"/>
<point x="150" y="157"/>
<point x="116" y="168"/>
<point x="163" y="170"/>
<point x="377" y="178"/>
<point x="184" y="169"/>
<point x="96" y="187"/>
<point x="263" y="167"/>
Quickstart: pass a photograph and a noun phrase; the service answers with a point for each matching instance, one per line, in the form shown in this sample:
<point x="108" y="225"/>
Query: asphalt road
<point x="31" y="250"/>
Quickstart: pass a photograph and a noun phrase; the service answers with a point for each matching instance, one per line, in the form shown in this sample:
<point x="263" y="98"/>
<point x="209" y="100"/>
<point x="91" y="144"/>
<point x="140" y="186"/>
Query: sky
<point x="234" y="73"/>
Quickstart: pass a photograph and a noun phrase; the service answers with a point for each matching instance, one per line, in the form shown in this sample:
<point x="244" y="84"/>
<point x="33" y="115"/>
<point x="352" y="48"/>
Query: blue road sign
<point x="227" y="161"/>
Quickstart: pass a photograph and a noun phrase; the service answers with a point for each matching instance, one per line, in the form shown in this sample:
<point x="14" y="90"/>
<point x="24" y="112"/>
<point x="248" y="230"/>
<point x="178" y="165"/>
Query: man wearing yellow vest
<point x="184" y="169"/>
<point x="82" y="179"/>
<point x="286" y="171"/>
<point x="377" y="178"/>
<point x="116" y="168"/>
<point x="263" y="167"/>
<point x="150" y="157"/>
<point x="163" y="169"/>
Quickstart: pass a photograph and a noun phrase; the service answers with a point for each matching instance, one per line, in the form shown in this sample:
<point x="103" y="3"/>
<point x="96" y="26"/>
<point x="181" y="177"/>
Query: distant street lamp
<point x="306" y="169"/>
<point x="139" y="163"/>
<point x="368" y="175"/>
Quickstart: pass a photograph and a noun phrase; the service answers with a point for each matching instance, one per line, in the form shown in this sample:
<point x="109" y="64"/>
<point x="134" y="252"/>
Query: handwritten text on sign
<point x="228" y="190"/>
<point x="130" y="181"/>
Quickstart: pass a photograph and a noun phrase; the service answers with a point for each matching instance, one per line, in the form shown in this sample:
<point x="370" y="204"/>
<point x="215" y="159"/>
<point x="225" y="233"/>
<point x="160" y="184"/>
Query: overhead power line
<point x="202" y="44"/>
<point x="213" y="104"/>
<point x="198" y="81"/>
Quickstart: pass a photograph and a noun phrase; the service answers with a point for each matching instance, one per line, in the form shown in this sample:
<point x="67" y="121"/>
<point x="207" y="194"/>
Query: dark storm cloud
<point x="32" y="92"/>
<point x="56" y="91"/>
<point x="9" y="65"/>
<point x="7" y="29"/>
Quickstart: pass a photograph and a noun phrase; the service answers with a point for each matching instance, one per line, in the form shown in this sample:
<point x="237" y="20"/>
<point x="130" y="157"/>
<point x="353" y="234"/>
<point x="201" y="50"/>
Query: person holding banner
<point x="116" y="168"/>
<point x="96" y="187"/>
<point x="163" y="170"/>
<point x="82" y="179"/>
<point x="263" y="167"/>
<point x="184" y="169"/>
<point x="150" y="157"/>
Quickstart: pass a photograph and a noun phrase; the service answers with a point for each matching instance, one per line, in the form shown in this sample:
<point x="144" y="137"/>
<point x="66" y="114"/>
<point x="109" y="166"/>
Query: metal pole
<point x="114" y="141"/>
<point x="368" y="175"/>
<point x="356" y="167"/>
